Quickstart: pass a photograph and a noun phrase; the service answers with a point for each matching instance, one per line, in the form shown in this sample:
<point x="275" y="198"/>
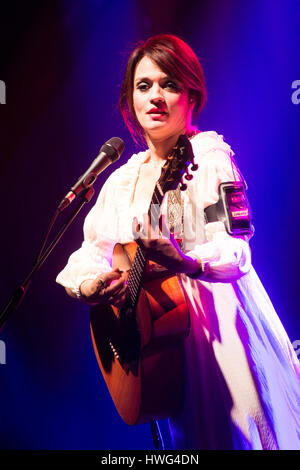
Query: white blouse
<point x="242" y="374"/>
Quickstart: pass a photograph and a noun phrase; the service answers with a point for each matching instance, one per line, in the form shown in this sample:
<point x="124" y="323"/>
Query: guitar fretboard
<point x="139" y="262"/>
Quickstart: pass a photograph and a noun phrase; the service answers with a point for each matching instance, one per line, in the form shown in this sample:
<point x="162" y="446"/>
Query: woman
<point x="242" y="375"/>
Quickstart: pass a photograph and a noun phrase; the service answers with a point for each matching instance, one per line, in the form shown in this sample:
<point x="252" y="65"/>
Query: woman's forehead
<point x="147" y="68"/>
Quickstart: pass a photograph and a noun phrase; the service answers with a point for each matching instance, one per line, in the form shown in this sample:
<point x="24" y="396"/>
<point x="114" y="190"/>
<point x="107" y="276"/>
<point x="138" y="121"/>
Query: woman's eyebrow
<point x="141" y="79"/>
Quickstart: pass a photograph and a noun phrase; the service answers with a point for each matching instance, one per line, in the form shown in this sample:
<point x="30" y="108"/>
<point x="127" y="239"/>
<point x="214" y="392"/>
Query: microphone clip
<point x="76" y="190"/>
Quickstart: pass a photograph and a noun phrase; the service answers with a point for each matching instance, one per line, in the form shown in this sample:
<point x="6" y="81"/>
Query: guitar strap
<point x="175" y="211"/>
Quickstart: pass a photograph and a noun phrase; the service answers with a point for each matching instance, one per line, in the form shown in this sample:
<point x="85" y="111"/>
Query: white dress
<point x="242" y="387"/>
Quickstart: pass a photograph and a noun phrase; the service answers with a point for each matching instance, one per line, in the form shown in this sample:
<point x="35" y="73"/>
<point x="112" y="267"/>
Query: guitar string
<point x="139" y="259"/>
<point x="138" y="265"/>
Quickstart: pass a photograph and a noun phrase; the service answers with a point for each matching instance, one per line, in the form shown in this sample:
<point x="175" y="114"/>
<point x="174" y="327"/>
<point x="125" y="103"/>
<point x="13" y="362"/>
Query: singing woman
<point x="241" y="386"/>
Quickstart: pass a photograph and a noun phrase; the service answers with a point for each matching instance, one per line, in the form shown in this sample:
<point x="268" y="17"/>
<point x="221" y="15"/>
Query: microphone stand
<point x="18" y="296"/>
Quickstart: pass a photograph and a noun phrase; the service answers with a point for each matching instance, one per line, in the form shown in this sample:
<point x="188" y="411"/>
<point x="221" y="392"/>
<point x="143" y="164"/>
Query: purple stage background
<point x="62" y="63"/>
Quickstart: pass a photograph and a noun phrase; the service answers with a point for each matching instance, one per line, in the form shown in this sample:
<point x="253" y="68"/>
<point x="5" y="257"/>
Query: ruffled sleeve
<point x="106" y="224"/>
<point x="228" y="258"/>
<point x="94" y="255"/>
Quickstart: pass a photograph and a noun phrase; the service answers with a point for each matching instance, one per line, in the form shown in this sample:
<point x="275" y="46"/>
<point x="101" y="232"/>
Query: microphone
<point x="109" y="153"/>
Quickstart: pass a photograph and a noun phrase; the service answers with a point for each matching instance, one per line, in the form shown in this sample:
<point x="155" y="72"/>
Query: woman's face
<point x="161" y="103"/>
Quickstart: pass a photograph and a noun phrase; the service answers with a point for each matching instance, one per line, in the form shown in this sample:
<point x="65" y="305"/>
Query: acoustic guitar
<point x="139" y="347"/>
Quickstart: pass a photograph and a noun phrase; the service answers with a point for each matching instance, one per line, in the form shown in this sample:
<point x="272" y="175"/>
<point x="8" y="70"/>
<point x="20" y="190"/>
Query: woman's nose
<point x="158" y="101"/>
<point x="157" y="97"/>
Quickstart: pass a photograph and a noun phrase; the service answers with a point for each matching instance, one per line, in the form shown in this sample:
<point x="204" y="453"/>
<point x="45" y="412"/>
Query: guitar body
<point x="150" y="384"/>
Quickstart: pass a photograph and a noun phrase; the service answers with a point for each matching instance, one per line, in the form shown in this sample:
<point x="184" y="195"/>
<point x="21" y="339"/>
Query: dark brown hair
<point x="177" y="60"/>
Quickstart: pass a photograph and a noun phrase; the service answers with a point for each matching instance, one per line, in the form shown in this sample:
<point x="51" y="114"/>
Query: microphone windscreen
<point x="113" y="148"/>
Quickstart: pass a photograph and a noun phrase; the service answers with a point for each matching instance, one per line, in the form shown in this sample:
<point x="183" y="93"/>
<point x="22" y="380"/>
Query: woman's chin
<point x="161" y="132"/>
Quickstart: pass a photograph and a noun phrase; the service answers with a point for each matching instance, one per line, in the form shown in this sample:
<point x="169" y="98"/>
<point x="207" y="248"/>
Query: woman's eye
<point x="143" y="86"/>
<point x="171" y="85"/>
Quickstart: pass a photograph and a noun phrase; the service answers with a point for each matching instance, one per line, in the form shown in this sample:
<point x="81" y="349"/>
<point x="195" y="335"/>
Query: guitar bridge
<point x="115" y="352"/>
<point x="133" y="365"/>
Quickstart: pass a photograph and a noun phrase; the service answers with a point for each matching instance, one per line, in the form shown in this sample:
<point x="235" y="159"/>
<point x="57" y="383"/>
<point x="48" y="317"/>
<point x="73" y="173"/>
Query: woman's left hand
<point x="161" y="247"/>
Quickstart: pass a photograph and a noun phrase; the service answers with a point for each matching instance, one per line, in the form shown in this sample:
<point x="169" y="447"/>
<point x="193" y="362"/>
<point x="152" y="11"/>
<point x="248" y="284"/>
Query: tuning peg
<point x="182" y="186"/>
<point x="194" y="166"/>
<point x="188" y="176"/>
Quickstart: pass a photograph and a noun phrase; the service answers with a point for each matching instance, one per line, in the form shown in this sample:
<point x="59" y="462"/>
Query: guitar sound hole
<point x="130" y="344"/>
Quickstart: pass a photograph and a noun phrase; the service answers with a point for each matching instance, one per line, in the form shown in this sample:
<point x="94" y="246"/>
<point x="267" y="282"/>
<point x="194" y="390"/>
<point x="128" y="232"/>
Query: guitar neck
<point x="171" y="175"/>
<point x="135" y="277"/>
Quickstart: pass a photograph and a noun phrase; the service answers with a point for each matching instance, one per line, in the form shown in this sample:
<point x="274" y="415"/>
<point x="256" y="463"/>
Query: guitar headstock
<point x="176" y="166"/>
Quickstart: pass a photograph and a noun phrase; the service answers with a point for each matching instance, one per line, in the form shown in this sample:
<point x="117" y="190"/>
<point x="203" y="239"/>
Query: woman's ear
<point x="192" y="100"/>
<point x="192" y="97"/>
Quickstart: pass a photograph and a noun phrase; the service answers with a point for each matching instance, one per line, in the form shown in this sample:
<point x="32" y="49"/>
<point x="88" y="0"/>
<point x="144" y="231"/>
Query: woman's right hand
<point x="108" y="288"/>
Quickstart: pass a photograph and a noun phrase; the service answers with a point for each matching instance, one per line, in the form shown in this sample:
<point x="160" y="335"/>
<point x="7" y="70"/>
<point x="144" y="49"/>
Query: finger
<point x="114" y="288"/>
<point x="119" y="296"/>
<point x="138" y="232"/>
<point x="136" y="228"/>
<point x="117" y="270"/>
<point x="112" y="275"/>
<point x="125" y="276"/>
<point x="146" y="230"/>
<point x="120" y="292"/>
<point x="107" y="278"/>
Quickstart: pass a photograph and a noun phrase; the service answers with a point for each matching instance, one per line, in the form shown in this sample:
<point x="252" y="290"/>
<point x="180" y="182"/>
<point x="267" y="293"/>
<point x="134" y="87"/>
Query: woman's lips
<point x="158" y="116"/>
<point x="156" y="113"/>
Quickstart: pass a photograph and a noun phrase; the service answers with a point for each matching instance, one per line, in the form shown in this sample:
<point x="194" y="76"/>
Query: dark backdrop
<point x="62" y="63"/>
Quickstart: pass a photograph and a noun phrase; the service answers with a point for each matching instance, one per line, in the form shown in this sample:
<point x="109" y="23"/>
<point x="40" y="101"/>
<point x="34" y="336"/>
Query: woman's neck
<point x="161" y="148"/>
